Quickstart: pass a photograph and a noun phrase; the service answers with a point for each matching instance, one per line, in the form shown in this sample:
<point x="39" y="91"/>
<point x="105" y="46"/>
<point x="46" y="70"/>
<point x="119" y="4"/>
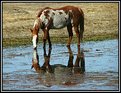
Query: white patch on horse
<point x="34" y="40"/>
<point x="59" y="18"/>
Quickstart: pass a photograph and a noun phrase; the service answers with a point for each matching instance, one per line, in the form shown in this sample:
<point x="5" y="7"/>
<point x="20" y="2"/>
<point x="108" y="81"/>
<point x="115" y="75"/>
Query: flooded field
<point x="101" y="68"/>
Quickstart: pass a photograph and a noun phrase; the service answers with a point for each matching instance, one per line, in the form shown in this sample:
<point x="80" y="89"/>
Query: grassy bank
<point x="14" y="42"/>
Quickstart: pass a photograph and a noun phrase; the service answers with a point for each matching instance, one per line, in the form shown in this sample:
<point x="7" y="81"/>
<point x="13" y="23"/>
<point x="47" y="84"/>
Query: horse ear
<point x="31" y="30"/>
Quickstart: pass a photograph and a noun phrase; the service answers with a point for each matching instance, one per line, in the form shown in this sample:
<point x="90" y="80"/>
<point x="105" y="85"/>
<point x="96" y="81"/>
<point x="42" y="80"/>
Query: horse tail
<point x="81" y="24"/>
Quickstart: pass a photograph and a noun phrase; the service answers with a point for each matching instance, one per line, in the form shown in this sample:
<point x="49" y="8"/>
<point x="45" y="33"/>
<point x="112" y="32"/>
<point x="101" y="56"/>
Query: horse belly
<point x="59" y="22"/>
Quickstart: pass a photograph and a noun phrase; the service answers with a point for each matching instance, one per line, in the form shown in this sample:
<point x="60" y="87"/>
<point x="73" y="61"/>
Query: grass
<point x="14" y="42"/>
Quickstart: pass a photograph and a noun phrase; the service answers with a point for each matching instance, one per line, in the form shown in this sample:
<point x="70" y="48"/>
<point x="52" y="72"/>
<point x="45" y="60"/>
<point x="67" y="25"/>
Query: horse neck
<point x="36" y="26"/>
<point x="37" y="22"/>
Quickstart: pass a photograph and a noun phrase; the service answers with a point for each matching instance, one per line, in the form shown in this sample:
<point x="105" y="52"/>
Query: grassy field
<point x="101" y="22"/>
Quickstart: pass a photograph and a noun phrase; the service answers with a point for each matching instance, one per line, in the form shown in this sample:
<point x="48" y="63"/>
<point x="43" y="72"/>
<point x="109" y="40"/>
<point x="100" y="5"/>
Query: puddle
<point x="101" y="68"/>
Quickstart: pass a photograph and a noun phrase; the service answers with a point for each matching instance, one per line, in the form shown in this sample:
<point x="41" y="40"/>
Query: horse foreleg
<point x="48" y="37"/>
<point x="44" y="39"/>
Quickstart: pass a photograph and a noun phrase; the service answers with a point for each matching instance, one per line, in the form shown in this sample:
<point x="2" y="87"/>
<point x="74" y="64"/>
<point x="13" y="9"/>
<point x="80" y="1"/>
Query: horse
<point x="56" y="18"/>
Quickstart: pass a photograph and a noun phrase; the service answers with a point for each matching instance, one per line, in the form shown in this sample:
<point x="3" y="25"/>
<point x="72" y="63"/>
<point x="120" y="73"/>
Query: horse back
<point x="74" y="9"/>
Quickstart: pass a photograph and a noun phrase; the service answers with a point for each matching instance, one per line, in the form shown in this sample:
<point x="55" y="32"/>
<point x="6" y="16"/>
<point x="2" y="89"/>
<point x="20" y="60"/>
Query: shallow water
<point x="101" y="68"/>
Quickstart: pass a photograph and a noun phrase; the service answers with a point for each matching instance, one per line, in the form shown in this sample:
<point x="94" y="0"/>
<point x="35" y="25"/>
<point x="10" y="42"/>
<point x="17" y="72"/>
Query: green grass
<point x="101" y="37"/>
<point x="14" y="42"/>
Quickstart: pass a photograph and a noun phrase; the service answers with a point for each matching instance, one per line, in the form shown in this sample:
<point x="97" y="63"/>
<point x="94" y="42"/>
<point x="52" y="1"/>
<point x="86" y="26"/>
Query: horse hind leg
<point x="81" y="27"/>
<point x="76" y="29"/>
<point x="69" y="28"/>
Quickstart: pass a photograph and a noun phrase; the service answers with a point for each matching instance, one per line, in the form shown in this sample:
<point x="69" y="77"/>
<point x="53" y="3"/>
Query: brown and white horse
<point x="49" y="18"/>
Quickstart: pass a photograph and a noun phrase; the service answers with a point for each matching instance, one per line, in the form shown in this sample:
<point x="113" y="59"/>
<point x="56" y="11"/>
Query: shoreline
<point x="15" y="42"/>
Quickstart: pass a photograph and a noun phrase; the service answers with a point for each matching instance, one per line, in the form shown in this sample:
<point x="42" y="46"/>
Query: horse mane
<point x="41" y="10"/>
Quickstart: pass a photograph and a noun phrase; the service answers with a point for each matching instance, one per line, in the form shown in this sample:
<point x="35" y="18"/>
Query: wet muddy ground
<point x="101" y="68"/>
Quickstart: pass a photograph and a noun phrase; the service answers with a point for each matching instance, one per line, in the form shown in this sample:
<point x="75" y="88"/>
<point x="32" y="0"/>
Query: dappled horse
<point x="49" y="18"/>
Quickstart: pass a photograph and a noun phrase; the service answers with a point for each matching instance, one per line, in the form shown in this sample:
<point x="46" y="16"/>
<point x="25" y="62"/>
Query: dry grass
<point x="100" y="18"/>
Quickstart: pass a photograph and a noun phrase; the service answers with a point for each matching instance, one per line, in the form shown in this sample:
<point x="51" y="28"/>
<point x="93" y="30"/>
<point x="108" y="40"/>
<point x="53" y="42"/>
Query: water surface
<point x="101" y="68"/>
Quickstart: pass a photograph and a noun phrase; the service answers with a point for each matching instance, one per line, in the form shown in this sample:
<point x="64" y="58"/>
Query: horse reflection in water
<point x="71" y="74"/>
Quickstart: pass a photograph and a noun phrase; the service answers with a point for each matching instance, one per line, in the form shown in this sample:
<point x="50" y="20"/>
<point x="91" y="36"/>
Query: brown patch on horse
<point x="46" y="13"/>
<point x="35" y="30"/>
<point x="41" y="10"/>
<point x="53" y="13"/>
<point x="60" y="13"/>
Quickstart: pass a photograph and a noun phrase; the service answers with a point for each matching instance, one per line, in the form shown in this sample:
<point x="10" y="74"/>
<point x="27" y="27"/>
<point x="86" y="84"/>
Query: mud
<point x="101" y="68"/>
